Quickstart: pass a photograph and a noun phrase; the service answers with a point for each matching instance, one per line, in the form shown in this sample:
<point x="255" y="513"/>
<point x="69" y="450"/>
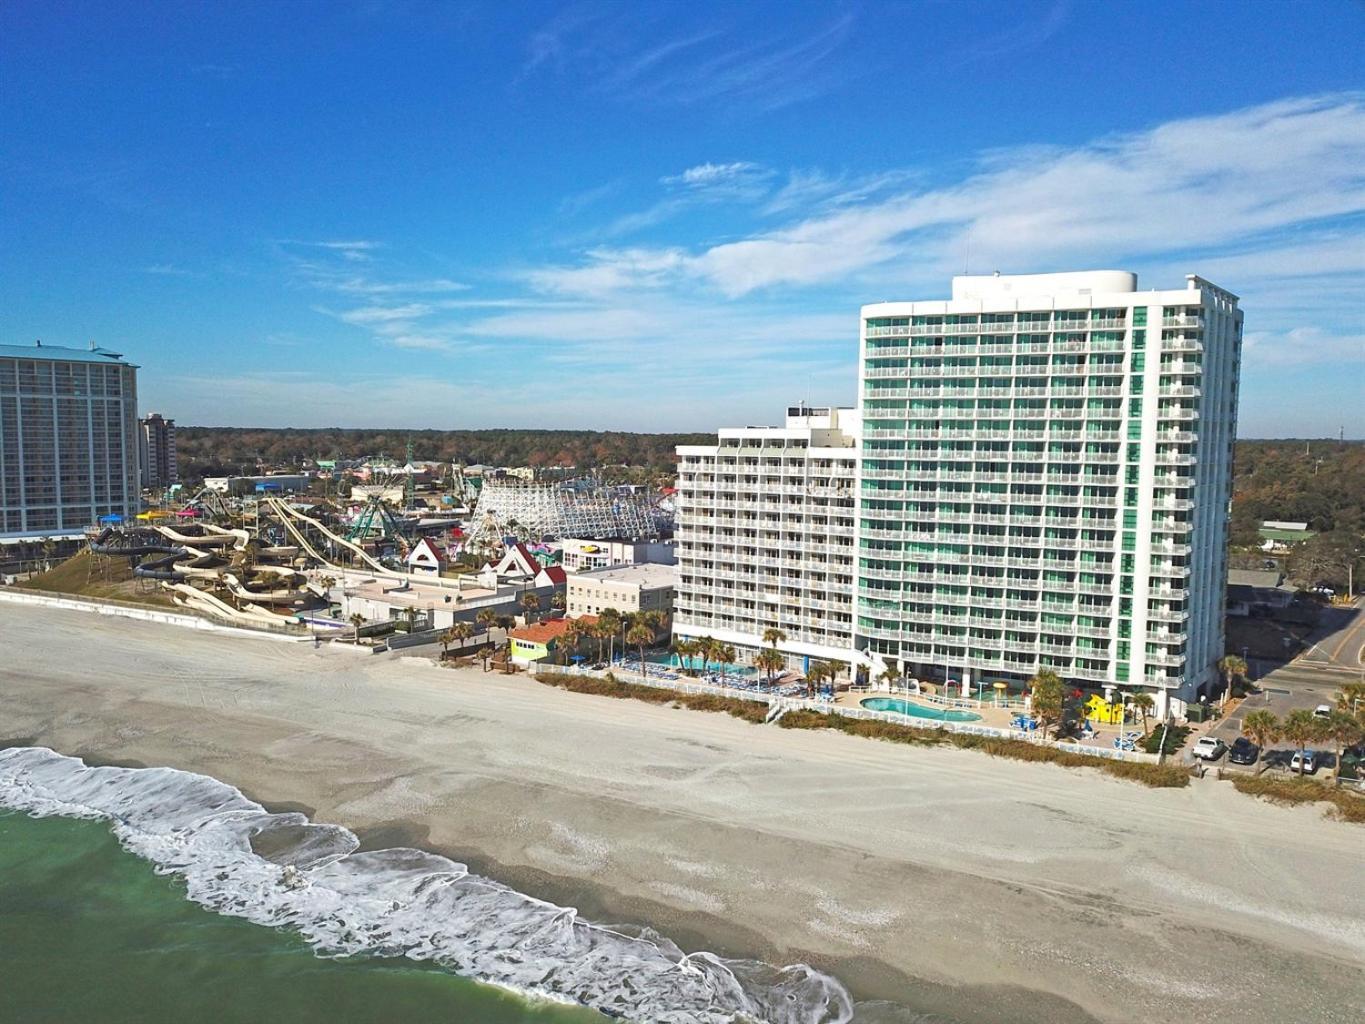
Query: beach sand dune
<point x="939" y="880"/>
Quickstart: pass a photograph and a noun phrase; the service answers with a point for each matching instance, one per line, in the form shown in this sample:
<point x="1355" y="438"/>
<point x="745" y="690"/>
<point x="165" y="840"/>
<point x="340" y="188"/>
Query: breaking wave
<point x="282" y="870"/>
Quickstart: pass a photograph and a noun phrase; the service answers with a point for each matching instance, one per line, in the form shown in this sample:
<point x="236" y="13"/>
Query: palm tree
<point x="610" y="620"/>
<point x="772" y="636"/>
<point x="1232" y="667"/>
<point x="1144" y="705"/>
<point x="655" y="620"/>
<point x="557" y="600"/>
<point x="571" y="638"/>
<point x="889" y="676"/>
<point x="725" y="654"/>
<point x="641" y="636"/>
<point x="464" y="632"/>
<point x="447" y="638"/>
<point x="684" y="649"/>
<point x="769" y="660"/>
<point x="1351" y="700"/>
<point x="1049" y="697"/>
<point x="486" y="618"/>
<point x="1300" y="728"/>
<point x="1262" y="728"/>
<point x="1343" y="730"/>
<point x="530" y="605"/>
<point x="357" y="620"/>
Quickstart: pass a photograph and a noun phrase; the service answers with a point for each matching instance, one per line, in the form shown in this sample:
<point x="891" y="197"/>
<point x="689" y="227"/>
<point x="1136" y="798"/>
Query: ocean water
<point x="106" y="875"/>
<point x="89" y="932"/>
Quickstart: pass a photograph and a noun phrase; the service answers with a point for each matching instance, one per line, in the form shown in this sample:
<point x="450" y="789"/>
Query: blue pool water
<point x="905" y="707"/>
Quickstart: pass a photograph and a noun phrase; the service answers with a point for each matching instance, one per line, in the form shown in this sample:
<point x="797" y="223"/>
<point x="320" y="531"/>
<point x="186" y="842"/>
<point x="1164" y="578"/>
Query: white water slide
<point x="290" y="517"/>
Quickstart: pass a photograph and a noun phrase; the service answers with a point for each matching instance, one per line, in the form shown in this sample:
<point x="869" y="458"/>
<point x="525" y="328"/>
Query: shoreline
<point x="939" y="879"/>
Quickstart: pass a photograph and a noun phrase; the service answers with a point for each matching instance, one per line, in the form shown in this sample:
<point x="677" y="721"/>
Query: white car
<point x="1209" y="748"/>
<point x="1322" y="711"/>
<point x="1310" y="762"/>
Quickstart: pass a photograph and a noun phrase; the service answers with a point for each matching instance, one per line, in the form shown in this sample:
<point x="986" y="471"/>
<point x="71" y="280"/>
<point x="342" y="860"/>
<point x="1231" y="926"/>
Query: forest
<point x="1321" y="483"/>
<point x="223" y="451"/>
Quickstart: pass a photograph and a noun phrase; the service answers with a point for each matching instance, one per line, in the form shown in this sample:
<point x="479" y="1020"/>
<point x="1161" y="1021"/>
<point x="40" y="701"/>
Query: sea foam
<point x="404" y="902"/>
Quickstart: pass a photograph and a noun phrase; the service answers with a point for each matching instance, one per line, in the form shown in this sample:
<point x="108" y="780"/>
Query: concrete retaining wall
<point x="168" y="618"/>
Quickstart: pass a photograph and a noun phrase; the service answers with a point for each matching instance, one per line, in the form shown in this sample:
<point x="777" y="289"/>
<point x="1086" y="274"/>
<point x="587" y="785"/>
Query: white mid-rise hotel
<point x="765" y="535"/>
<point x="1043" y="476"/>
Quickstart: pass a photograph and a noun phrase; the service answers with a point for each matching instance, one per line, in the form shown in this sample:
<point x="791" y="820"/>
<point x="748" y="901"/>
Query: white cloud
<point x="1227" y="180"/>
<point x="383" y="314"/>
<point x="709" y="175"/>
<point x="1304" y="346"/>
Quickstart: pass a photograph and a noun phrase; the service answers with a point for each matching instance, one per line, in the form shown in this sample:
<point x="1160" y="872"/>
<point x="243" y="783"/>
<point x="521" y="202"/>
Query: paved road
<point x="1339" y="639"/>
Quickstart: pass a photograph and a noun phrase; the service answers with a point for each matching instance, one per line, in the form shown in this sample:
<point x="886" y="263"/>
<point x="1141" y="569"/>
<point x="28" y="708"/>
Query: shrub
<point x="1175" y="739"/>
<point x="1346" y="806"/>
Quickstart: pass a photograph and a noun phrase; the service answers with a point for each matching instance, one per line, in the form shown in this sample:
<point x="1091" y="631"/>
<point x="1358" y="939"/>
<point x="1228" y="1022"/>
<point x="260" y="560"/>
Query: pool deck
<point x="998" y="718"/>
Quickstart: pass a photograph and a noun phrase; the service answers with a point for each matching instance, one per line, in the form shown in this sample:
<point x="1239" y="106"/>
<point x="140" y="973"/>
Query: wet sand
<point x="940" y="880"/>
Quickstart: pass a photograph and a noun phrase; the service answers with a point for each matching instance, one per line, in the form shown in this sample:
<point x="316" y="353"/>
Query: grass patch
<point x="100" y="578"/>
<point x="1158" y="776"/>
<point x="1287" y="792"/>
<point x="749" y="710"/>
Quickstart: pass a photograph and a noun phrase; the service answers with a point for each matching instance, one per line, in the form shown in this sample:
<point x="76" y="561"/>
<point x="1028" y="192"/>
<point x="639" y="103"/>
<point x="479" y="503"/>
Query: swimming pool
<point x="906" y="707"/>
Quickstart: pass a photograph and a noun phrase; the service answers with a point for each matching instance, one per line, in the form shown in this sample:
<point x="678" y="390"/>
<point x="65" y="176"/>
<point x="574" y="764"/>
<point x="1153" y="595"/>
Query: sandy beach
<point x="936" y="879"/>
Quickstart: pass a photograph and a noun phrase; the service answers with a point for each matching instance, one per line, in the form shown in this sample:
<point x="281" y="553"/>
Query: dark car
<point x="1243" y="751"/>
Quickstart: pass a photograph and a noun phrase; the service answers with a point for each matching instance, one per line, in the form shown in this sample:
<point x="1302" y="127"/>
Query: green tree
<point x="772" y="636"/>
<point x="1344" y="731"/>
<point x="641" y="636"/>
<point x="1144" y="705"/>
<point x="1301" y="728"/>
<point x="1232" y="668"/>
<point x="530" y="605"/>
<point x="769" y="660"/>
<point x="1262" y="728"/>
<point x="1049" y="698"/>
<point x="357" y="620"/>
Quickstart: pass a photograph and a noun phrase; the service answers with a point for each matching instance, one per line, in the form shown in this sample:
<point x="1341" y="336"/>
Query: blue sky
<point x="656" y="216"/>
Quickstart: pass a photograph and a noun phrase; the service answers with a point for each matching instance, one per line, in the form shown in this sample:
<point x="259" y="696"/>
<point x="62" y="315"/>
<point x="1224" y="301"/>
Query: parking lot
<point x="1332" y="659"/>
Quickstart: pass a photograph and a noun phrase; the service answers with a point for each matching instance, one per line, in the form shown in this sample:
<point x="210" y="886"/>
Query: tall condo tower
<point x="156" y="437"/>
<point x="1044" y="477"/>
<point x="68" y="439"/>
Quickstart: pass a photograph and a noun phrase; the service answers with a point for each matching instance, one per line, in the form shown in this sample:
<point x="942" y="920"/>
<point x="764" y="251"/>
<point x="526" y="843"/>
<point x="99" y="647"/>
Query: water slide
<point x="289" y="516"/>
<point x="237" y="589"/>
<point x="188" y="597"/>
<point x="213" y="537"/>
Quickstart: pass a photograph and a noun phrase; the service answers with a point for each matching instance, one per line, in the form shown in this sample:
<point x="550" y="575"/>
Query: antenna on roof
<point x="39" y="342"/>
<point x="92" y="344"/>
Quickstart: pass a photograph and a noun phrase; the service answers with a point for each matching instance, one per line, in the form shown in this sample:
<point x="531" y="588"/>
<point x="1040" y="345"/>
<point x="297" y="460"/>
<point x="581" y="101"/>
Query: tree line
<point x="225" y="451"/>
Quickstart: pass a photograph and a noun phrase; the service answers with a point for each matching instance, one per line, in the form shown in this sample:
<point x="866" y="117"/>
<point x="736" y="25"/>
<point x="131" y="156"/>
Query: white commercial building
<point x="68" y="439"/>
<point x="1045" y="475"/>
<point x="584" y="555"/>
<point x="1043" y="468"/>
<point x="645" y="587"/>
<point x="765" y="535"/>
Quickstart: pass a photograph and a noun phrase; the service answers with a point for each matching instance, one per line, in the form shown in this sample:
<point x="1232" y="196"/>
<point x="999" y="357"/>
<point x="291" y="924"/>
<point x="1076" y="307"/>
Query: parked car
<point x="1243" y="751"/>
<point x="1309" y="760"/>
<point x="1210" y="748"/>
<point x="1322" y="711"/>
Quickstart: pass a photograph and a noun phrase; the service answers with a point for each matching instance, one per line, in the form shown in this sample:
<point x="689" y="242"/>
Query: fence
<point x="780" y="705"/>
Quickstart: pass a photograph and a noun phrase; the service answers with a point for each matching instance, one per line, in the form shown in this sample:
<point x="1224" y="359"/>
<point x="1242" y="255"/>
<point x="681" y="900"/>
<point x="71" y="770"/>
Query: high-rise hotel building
<point x="1044" y="471"/>
<point x="765" y="536"/>
<point x="68" y="439"/>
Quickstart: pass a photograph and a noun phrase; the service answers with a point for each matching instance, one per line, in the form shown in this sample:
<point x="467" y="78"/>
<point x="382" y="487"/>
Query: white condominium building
<point x="1044" y="479"/>
<point x="68" y="439"/>
<point x="765" y="533"/>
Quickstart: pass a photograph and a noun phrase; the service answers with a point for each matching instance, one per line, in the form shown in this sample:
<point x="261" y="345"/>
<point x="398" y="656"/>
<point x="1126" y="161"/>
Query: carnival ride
<point x="574" y="508"/>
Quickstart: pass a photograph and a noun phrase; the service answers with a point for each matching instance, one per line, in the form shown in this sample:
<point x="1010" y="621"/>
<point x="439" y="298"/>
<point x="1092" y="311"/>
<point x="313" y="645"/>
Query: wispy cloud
<point x="693" y="67"/>
<point x="1222" y="181"/>
<point x="167" y="270"/>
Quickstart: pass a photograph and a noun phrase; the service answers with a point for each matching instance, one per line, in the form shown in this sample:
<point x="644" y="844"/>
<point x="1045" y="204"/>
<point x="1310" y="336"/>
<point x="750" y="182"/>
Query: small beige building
<point x="627" y="588"/>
